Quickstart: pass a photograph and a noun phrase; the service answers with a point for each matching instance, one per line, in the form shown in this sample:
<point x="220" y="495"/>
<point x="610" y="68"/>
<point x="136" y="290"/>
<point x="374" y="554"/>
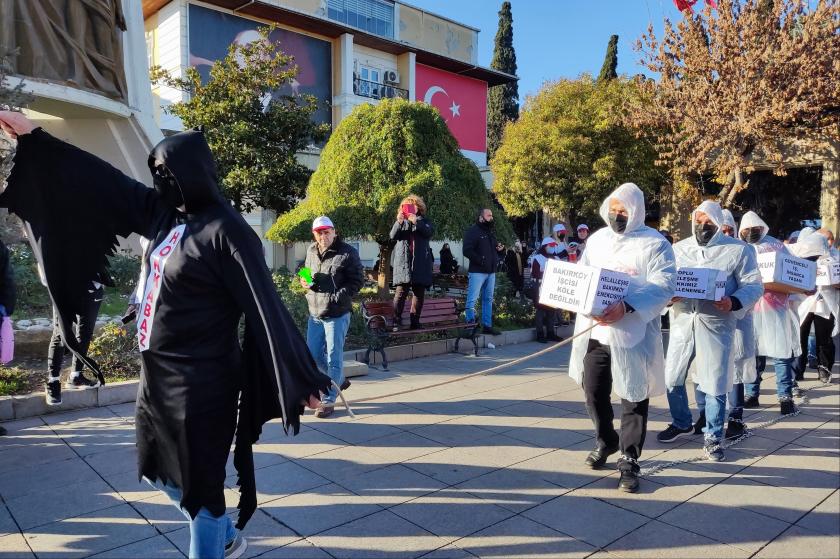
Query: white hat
<point x="559" y="227"/>
<point x="321" y="223"/>
<point x="583" y="226"/>
<point x="548" y="241"/>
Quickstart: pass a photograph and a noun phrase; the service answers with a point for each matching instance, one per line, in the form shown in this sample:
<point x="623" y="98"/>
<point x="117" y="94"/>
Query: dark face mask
<point x="167" y="186"/>
<point x="812" y="258"/>
<point x="704" y="233"/>
<point x="561" y="236"/>
<point x="618" y="222"/>
<point x="751" y="236"/>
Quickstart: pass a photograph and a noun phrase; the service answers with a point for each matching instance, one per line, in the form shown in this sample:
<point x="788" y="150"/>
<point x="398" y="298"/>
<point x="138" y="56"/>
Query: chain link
<point x="748" y="432"/>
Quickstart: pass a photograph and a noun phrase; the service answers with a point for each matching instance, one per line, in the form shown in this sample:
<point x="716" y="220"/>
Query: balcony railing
<point x="375" y="90"/>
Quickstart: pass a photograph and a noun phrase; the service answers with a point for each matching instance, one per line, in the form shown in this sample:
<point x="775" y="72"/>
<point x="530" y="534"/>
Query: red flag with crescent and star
<point x="462" y="103"/>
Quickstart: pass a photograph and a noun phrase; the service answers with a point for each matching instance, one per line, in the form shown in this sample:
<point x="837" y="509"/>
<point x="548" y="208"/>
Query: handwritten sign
<point x="785" y="273"/>
<point x="700" y="283"/>
<point x="582" y="289"/>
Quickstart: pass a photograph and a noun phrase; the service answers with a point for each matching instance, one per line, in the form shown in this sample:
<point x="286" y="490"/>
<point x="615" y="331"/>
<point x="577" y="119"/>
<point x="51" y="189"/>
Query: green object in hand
<point x="306" y="274"/>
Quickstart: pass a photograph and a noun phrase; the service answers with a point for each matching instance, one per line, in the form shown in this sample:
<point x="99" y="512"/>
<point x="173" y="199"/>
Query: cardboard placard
<point x="785" y="273"/>
<point x="700" y="283"/>
<point x="582" y="289"/>
<point x="828" y="273"/>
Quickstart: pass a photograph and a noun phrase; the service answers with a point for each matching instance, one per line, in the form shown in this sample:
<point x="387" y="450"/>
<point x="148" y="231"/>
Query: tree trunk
<point x="734" y="184"/>
<point x="384" y="271"/>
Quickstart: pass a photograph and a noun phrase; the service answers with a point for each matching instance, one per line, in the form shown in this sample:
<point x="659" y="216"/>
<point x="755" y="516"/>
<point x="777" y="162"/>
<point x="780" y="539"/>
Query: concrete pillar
<point x="343" y="92"/>
<point x="830" y="196"/>
<point x="407" y="67"/>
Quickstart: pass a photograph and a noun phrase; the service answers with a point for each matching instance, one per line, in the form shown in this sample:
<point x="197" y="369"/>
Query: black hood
<point x="188" y="157"/>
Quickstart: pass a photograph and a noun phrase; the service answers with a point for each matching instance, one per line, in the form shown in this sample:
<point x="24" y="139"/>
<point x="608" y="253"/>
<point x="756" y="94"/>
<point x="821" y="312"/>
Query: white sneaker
<point x="237" y="547"/>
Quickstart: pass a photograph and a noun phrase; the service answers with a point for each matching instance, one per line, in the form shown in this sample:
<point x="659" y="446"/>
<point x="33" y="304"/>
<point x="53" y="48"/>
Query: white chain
<point x="748" y="432"/>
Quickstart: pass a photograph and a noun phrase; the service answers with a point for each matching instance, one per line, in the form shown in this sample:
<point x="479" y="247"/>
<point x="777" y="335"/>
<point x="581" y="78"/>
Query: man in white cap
<point x="624" y="349"/>
<point x="337" y="275"/>
<point x="776" y="323"/>
<point x="559" y="235"/>
<point x="703" y="331"/>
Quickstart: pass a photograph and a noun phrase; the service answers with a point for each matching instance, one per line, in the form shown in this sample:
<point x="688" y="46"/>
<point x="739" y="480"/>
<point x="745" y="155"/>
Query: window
<point x="373" y="16"/>
<point x="369" y="82"/>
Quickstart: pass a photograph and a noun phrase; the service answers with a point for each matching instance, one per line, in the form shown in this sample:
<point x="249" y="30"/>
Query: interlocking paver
<point x="488" y="466"/>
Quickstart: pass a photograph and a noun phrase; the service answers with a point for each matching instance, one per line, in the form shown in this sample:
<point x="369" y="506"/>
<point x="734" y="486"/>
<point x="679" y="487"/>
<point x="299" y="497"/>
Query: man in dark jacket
<point x="484" y="253"/>
<point x="337" y="275"/>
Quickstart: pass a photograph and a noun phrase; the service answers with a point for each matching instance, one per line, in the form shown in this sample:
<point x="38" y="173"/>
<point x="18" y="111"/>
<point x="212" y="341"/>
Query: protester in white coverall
<point x="624" y="350"/>
<point x="776" y="323"/>
<point x="743" y="349"/>
<point x="820" y="309"/>
<point x="703" y="331"/>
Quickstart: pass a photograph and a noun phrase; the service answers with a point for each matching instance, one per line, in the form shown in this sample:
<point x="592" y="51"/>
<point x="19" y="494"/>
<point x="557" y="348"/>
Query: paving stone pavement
<point x="486" y="467"/>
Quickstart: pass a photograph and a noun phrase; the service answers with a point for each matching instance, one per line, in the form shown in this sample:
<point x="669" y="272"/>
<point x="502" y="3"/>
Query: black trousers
<point x="400" y="296"/>
<point x="825" y="344"/>
<point x="85" y="325"/>
<point x="597" y="386"/>
<point x="545" y="317"/>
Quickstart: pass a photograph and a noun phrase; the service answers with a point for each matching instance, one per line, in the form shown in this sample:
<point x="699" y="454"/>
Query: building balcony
<point x="375" y="90"/>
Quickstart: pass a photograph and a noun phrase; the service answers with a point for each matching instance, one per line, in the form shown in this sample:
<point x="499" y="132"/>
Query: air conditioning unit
<point x="391" y="76"/>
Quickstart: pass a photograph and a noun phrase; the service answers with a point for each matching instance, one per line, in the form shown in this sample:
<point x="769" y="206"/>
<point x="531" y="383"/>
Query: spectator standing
<point x="582" y="235"/>
<point x="545" y="317"/>
<point x="8" y="291"/>
<point x="337" y="275"/>
<point x="85" y="324"/>
<point x="413" y="260"/>
<point x="515" y="259"/>
<point x="484" y="252"/>
<point x="448" y="264"/>
<point x="559" y="233"/>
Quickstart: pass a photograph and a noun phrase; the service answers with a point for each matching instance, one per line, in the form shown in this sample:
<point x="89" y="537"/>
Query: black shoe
<point x="415" y="324"/>
<point x="52" y="391"/>
<point x="345" y="385"/>
<point x="796" y="390"/>
<point x="701" y="422"/>
<point x="734" y="429"/>
<point x="672" y="433"/>
<point x="598" y="457"/>
<point x="799" y="375"/>
<point x="2" y="431"/>
<point x="554" y="338"/>
<point x="824" y="374"/>
<point x="490" y="330"/>
<point x="713" y="451"/>
<point x="751" y="402"/>
<point x="81" y="381"/>
<point x="542" y="340"/>
<point x="787" y="407"/>
<point x="629" y="475"/>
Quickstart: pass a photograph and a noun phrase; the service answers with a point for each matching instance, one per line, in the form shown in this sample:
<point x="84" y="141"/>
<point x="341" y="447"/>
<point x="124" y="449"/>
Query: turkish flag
<point x="461" y="101"/>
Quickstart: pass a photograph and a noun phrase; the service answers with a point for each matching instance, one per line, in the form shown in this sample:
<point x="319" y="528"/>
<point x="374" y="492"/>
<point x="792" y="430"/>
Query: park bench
<point x="450" y="284"/>
<point x="439" y="315"/>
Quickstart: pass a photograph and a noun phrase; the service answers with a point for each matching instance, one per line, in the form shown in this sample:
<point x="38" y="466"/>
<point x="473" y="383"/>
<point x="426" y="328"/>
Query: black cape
<point x="199" y="387"/>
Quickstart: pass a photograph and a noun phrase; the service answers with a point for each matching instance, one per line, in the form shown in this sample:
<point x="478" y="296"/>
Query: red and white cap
<point x="583" y="226"/>
<point x="559" y="227"/>
<point x="321" y="223"/>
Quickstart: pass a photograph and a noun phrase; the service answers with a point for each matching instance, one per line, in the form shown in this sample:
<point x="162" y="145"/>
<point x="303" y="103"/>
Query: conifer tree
<point x="610" y="61"/>
<point x="503" y="100"/>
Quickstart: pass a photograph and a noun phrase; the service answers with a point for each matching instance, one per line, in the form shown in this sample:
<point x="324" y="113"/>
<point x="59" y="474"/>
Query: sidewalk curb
<point x="30" y="405"/>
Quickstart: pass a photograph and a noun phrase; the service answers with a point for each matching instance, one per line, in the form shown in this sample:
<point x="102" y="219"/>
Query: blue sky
<point x="559" y="38"/>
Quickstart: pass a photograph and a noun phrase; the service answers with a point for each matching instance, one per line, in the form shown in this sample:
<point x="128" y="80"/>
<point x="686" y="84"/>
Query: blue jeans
<point x="784" y="377"/>
<point x="208" y="534"/>
<point x="483" y="284"/>
<point x="736" y="401"/>
<point x="715" y="409"/>
<point x="325" y="339"/>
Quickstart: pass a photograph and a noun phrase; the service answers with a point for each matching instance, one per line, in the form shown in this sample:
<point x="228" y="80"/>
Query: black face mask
<point x="561" y="236"/>
<point x="812" y="258"/>
<point x="704" y="233"/>
<point x="751" y="236"/>
<point x="167" y="186"/>
<point x="618" y="222"/>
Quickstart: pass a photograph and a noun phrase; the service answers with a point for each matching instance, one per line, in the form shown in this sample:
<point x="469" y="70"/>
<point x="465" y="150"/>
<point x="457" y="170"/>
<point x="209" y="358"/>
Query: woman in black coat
<point x="413" y="260"/>
<point x="448" y="264"/>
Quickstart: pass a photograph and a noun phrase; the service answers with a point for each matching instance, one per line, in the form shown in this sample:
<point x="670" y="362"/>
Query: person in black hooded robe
<point x="199" y="387"/>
